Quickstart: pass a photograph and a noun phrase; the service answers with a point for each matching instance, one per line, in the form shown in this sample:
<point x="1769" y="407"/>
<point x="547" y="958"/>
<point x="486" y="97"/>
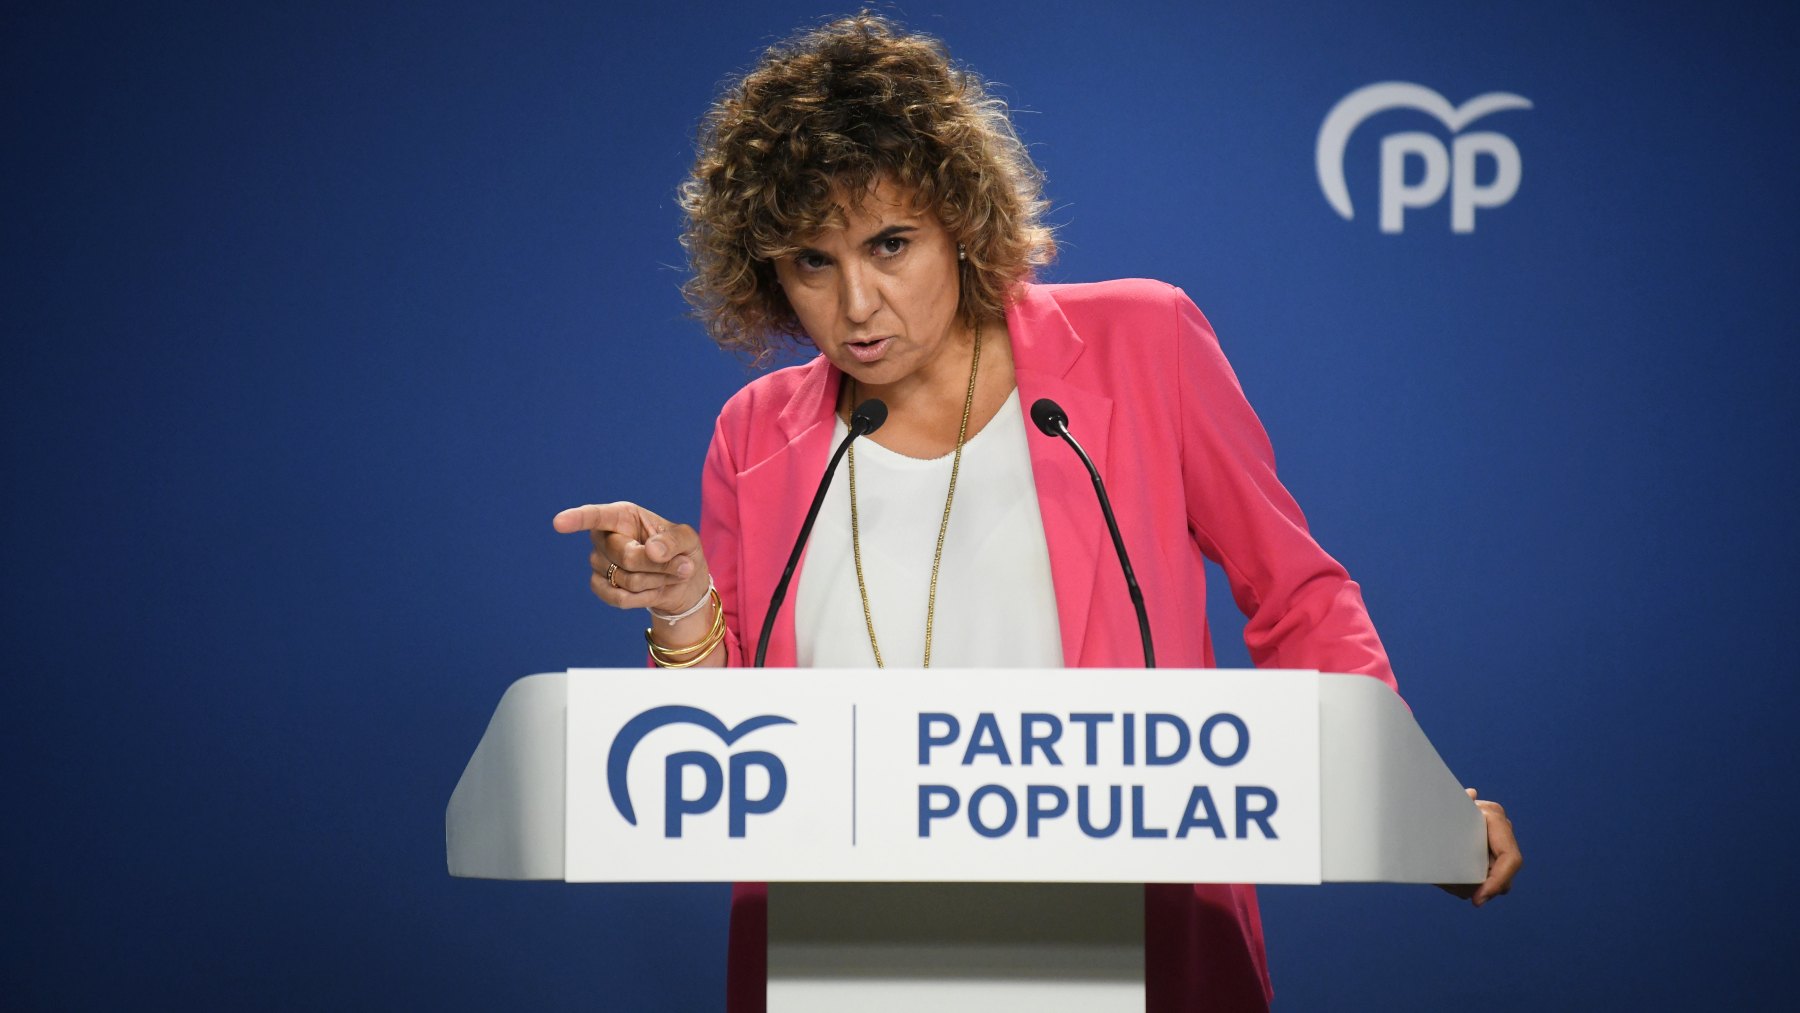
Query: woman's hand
<point x="640" y="560"/>
<point x="1504" y="859"/>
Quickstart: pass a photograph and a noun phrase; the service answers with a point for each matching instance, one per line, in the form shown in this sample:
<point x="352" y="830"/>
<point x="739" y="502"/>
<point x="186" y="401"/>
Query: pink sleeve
<point x="1303" y="610"/>
<point x="719" y="535"/>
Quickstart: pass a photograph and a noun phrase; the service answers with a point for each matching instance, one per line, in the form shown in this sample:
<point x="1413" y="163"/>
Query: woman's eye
<point x="891" y="246"/>
<point x="810" y="262"/>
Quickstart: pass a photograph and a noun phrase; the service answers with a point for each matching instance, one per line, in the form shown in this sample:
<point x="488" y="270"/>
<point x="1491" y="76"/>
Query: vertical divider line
<point x="853" y="775"/>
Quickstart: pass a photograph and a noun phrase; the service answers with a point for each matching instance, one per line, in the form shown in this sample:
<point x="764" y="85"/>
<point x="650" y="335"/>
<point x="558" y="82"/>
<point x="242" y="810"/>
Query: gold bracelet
<point x="703" y="650"/>
<point x="700" y="652"/>
<point x="693" y="654"/>
<point x="692" y="662"/>
<point x="677" y="653"/>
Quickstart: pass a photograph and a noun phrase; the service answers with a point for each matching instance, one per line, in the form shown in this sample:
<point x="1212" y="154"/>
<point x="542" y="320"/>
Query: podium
<point x="958" y="839"/>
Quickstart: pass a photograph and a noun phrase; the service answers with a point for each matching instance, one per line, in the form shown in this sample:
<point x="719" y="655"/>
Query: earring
<point x="961" y="253"/>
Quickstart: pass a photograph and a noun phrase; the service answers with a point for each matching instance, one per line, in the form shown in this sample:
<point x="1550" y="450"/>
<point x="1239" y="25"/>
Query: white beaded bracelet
<point x="705" y="596"/>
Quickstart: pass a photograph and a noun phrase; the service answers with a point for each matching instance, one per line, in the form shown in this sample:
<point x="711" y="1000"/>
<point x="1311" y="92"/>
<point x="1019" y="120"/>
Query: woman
<point x="858" y="192"/>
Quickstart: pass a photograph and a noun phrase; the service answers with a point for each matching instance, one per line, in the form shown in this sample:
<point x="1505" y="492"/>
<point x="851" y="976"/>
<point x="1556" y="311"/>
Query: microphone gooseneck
<point x="864" y="419"/>
<point x="1053" y="421"/>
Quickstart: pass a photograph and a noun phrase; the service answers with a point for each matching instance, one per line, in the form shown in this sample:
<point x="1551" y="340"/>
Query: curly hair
<point x="828" y="113"/>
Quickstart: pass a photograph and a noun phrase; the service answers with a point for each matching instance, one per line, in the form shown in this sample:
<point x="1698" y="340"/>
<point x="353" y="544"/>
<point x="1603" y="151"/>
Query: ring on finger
<point x="612" y="575"/>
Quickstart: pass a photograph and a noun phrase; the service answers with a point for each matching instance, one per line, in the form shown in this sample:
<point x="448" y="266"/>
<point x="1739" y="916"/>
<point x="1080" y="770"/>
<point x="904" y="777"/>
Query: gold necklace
<point x="937" y="557"/>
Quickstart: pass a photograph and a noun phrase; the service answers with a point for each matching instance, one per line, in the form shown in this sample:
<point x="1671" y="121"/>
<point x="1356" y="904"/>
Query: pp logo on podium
<point x="1454" y="169"/>
<point x="730" y="781"/>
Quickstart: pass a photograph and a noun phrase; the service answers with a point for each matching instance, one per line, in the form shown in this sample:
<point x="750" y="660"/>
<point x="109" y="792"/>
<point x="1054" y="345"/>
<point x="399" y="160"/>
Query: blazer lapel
<point x="1045" y="350"/>
<point x="774" y="494"/>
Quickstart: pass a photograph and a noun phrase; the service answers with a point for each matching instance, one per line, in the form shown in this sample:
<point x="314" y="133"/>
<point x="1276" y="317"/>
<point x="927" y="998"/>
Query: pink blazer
<point x="1192" y="476"/>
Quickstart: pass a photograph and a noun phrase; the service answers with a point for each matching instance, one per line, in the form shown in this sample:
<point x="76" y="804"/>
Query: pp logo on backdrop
<point x="716" y="782"/>
<point x="1454" y="169"/>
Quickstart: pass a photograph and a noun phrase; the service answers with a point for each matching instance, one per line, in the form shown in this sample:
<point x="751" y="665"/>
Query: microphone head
<point x="1049" y="417"/>
<point x="868" y="416"/>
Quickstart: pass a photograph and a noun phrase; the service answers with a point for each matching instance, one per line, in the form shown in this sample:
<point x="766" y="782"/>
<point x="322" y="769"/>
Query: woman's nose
<point x="861" y="293"/>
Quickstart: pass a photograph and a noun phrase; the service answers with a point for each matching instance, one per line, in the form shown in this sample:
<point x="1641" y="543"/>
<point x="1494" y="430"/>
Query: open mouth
<point x="868" y="351"/>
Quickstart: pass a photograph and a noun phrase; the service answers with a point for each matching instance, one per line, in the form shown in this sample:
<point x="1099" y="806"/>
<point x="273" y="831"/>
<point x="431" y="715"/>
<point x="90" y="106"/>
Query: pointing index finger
<point x="622" y="517"/>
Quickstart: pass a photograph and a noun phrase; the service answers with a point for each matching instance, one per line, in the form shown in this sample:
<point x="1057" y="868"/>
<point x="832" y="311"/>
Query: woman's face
<point x="878" y="297"/>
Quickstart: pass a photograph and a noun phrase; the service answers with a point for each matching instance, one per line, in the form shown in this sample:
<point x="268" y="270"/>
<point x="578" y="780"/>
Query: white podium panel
<point x="891" y="812"/>
<point x="1014" y="776"/>
<point x="949" y="948"/>
<point x="1388" y="810"/>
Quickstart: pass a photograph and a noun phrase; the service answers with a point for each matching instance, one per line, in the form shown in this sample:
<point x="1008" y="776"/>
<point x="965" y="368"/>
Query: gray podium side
<point x="1391" y="811"/>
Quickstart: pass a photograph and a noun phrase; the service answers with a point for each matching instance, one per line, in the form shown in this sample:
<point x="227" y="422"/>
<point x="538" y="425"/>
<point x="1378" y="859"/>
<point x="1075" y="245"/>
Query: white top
<point x="996" y="606"/>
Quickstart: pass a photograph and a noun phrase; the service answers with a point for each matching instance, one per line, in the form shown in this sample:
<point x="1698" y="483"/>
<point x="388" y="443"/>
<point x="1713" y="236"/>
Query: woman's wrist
<point x="691" y="640"/>
<point x="672" y="618"/>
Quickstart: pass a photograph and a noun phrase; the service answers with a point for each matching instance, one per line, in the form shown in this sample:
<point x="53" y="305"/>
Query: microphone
<point x="1053" y="421"/>
<point x="865" y="419"/>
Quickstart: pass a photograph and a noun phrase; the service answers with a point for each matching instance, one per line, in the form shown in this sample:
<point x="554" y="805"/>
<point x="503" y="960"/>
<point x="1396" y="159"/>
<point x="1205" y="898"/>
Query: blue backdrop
<point x="314" y="316"/>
